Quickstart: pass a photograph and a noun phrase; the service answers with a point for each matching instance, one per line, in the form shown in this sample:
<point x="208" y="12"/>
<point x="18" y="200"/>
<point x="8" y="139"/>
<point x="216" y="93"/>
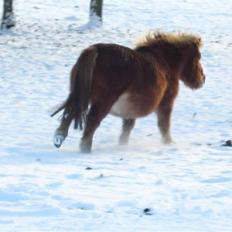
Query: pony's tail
<point x="76" y="105"/>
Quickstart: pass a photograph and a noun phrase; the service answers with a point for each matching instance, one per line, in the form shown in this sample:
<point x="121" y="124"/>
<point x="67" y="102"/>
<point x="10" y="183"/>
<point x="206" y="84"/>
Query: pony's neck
<point x="169" y="57"/>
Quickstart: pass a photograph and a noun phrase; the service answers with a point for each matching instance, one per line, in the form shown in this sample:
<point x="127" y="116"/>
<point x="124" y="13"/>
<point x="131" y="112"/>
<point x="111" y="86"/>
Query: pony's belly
<point x="123" y="107"/>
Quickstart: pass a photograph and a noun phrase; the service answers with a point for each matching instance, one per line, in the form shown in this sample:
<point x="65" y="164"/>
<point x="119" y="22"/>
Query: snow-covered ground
<point x="145" y="186"/>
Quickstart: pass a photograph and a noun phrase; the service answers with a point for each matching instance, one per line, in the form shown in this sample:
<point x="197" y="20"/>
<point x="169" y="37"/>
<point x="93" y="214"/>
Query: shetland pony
<point x="129" y="83"/>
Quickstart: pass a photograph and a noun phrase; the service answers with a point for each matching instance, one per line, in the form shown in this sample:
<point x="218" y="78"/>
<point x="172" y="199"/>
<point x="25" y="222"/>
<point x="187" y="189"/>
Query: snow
<point x="145" y="186"/>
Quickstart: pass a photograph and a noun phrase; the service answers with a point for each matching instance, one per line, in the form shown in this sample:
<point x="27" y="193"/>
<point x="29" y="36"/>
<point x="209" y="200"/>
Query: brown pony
<point x="129" y="83"/>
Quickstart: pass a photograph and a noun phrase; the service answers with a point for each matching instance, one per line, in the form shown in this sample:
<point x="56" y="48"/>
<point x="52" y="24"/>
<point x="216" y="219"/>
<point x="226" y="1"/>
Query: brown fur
<point x="130" y="83"/>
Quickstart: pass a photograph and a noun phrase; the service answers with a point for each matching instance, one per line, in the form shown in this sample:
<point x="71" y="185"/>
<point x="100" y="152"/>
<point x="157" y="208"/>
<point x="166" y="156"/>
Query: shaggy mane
<point x="177" y="39"/>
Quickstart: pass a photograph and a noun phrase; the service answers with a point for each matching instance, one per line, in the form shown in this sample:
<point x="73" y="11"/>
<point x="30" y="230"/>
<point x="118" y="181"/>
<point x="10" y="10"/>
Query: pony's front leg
<point x="127" y="126"/>
<point x="164" y="123"/>
<point x="62" y="131"/>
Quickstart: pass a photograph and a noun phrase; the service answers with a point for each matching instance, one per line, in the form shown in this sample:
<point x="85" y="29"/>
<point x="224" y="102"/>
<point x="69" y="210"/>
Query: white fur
<point x="123" y="107"/>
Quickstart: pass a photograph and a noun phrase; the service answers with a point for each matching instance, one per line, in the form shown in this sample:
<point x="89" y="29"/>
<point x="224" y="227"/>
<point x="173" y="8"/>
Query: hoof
<point x="85" y="150"/>
<point x="123" y="140"/>
<point x="166" y="141"/>
<point x="58" y="140"/>
<point x="85" y="147"/>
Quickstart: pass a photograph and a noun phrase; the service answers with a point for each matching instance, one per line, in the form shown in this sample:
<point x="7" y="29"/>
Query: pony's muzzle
<point x="203" y="76"/>
<point x="203" y="79"/>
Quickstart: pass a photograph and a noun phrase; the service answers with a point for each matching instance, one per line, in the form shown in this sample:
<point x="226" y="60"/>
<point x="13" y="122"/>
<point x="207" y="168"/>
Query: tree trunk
<point x="95" y="15"/>
<point x="8" y="15"/>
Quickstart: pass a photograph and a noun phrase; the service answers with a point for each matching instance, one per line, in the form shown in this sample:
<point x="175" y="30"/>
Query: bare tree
<point x="8" y="20"/>
<point x="95" y="15"/>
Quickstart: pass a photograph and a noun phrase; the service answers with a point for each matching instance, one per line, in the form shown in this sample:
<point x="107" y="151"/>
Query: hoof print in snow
<point x="194" y="115"/>
<point x="149" y="135"/>
<point x="197" y="144"/>
<point x="101" y="175"/>
<point x="228" y="143"/>
<point x="89" y="168"/>
<point x="85" y="206"/>
<point x="147" y="211"/>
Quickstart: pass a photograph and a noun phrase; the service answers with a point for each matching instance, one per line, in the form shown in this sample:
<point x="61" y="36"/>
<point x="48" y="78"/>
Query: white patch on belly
<point x="122" y="107"/>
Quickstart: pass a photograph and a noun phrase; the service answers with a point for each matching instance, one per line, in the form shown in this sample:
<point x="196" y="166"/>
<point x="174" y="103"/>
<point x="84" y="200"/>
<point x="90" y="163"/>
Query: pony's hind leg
<point x="62" y="131"/>
<point x="127" y="126"/>
<point x="96" y="113"/>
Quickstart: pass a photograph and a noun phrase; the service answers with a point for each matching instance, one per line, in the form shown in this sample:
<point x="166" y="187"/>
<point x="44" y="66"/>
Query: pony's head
<point x="182" y="53"/>
<point x="192" y="72"/>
